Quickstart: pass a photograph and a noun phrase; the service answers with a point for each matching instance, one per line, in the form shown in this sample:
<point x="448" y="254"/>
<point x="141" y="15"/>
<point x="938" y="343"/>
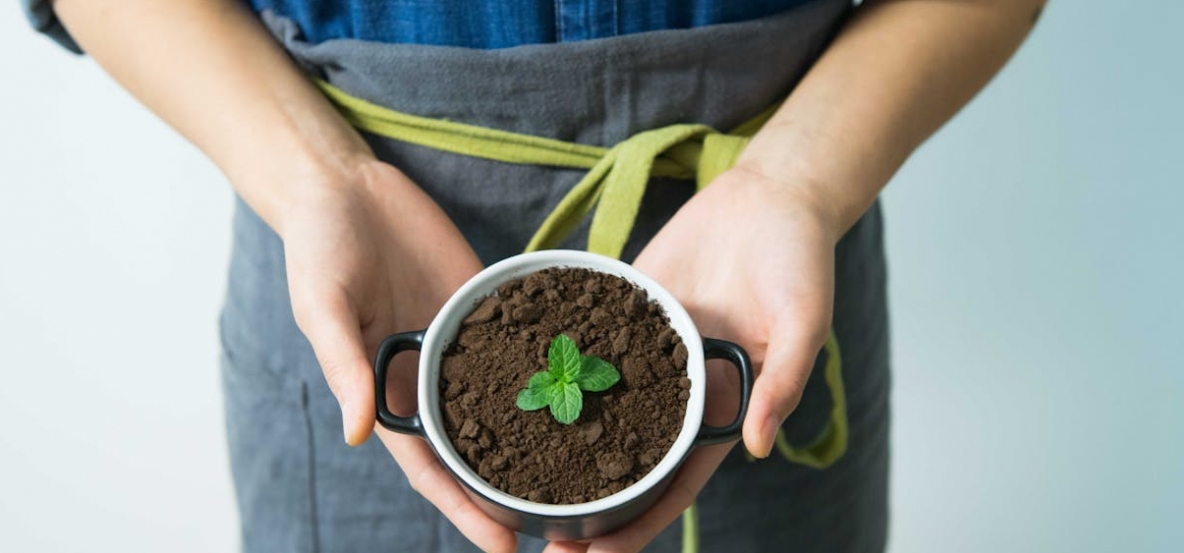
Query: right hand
<point x="367" y="258"/>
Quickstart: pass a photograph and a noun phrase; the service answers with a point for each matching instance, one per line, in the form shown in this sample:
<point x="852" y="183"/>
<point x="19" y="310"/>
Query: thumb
<point x="331" y="325"/>
<point x="792" y="350"/>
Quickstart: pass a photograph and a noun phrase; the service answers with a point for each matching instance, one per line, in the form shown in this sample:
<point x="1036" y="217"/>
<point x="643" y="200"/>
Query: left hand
<point x="752" y="260"/>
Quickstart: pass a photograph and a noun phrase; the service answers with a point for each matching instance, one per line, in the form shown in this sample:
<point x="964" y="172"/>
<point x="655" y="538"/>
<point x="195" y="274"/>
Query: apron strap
<point x="614" y="186"/>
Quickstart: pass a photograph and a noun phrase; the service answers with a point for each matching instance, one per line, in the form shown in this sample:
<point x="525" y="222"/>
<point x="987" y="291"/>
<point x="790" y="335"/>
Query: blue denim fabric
<point x="477" y="23"/>
<point x="43" y="19"/>
<point x="501" y="24"/>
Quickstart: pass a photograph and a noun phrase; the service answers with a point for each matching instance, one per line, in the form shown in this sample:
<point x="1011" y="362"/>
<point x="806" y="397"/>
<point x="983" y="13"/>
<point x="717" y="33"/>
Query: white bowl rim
<point x="483" y="284"/>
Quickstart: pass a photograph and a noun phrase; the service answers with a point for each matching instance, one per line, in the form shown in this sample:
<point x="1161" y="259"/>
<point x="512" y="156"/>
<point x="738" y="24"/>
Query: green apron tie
<point x="614" y="185"/>
<point x="617" y="176"/>
<point x="619" y="179"/>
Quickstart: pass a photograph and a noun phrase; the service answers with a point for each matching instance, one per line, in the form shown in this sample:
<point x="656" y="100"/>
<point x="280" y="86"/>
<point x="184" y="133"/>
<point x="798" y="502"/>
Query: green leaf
<point x="531" y="399"/>
<point x="596" y="374"/>
<point x="567" y="374"/>
<point x="540" y="381"/>
<point x="563" y="358"/>
<point x="566" y="403"/>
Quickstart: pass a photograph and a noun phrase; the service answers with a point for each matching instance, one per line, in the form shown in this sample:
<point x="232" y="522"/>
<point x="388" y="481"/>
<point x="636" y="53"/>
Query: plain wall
<point x="1036" y="287"/>
<point x="1037" y="276"/>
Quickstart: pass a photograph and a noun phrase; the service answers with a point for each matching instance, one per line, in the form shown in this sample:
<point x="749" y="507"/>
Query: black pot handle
<point x="722" y="349"/>
<point x="392" y="346"/>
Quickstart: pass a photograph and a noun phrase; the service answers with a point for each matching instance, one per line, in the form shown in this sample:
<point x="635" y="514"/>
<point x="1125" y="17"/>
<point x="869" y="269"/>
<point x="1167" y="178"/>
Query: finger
<point x="331" y="325"/>
<point x="428" y="477"/>
<point x="777" y="391"/>
<point x="681" y="493"/>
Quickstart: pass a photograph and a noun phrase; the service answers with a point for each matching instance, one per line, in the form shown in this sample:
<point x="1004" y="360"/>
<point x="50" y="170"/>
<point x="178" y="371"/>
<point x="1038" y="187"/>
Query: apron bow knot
<point x="616" y="177"/>
<point x="616" y="184"/>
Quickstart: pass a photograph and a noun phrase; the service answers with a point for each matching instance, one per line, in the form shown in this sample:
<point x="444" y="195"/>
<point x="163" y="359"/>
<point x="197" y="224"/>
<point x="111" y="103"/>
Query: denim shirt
<point x="478" y="23"/>
<point x="502" y="24"/>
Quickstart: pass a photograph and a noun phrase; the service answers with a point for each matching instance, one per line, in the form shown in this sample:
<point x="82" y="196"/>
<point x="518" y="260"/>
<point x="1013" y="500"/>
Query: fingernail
<point x="347" y="416"/>
<point x="769" y="435"/>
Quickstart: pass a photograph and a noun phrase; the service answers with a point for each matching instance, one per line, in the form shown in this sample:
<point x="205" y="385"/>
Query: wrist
<point x="285" y="189"/>
<point x="836" y="187"/>
<point x="797" y="195"/>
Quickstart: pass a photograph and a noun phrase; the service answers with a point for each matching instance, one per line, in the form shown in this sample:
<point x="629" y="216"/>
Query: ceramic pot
<point x="557" y="522"/>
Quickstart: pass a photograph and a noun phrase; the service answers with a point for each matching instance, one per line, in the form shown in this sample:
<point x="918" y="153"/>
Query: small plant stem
<point x="690" y="529"/>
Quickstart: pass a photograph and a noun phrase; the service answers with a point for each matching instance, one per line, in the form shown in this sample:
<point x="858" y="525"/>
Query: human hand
<point x="752" y="260"/>
<point x="368" y="257"/>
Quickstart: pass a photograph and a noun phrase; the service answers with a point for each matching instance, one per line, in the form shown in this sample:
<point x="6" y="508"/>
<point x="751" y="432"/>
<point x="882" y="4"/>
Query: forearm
<point x="896" y="73"/>
<point x="211" y="71"/>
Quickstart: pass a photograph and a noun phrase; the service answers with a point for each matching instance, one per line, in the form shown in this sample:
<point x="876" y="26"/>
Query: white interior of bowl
<point x="444" y="328"/>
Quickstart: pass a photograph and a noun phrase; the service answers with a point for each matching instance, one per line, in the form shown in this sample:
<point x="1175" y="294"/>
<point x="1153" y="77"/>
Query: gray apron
<point x="301" y="489"/>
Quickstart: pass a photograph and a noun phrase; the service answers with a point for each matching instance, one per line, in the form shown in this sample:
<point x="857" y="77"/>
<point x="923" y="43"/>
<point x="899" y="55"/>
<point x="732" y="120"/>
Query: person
<point x="345" y="236"/>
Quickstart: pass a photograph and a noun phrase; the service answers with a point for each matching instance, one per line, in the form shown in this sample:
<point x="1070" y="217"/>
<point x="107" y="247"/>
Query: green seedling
<point x="569" y="375"/>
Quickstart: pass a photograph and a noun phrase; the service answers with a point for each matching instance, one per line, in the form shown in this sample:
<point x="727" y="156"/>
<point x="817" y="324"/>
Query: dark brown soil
<point x="620" y="434"/>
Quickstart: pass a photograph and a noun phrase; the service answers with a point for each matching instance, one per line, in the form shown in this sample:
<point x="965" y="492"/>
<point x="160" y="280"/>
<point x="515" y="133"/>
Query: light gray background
<point x="1037" y="292"/>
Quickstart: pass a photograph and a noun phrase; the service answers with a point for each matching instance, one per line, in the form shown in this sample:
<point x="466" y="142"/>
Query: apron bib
<point x="299" y="486"/>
